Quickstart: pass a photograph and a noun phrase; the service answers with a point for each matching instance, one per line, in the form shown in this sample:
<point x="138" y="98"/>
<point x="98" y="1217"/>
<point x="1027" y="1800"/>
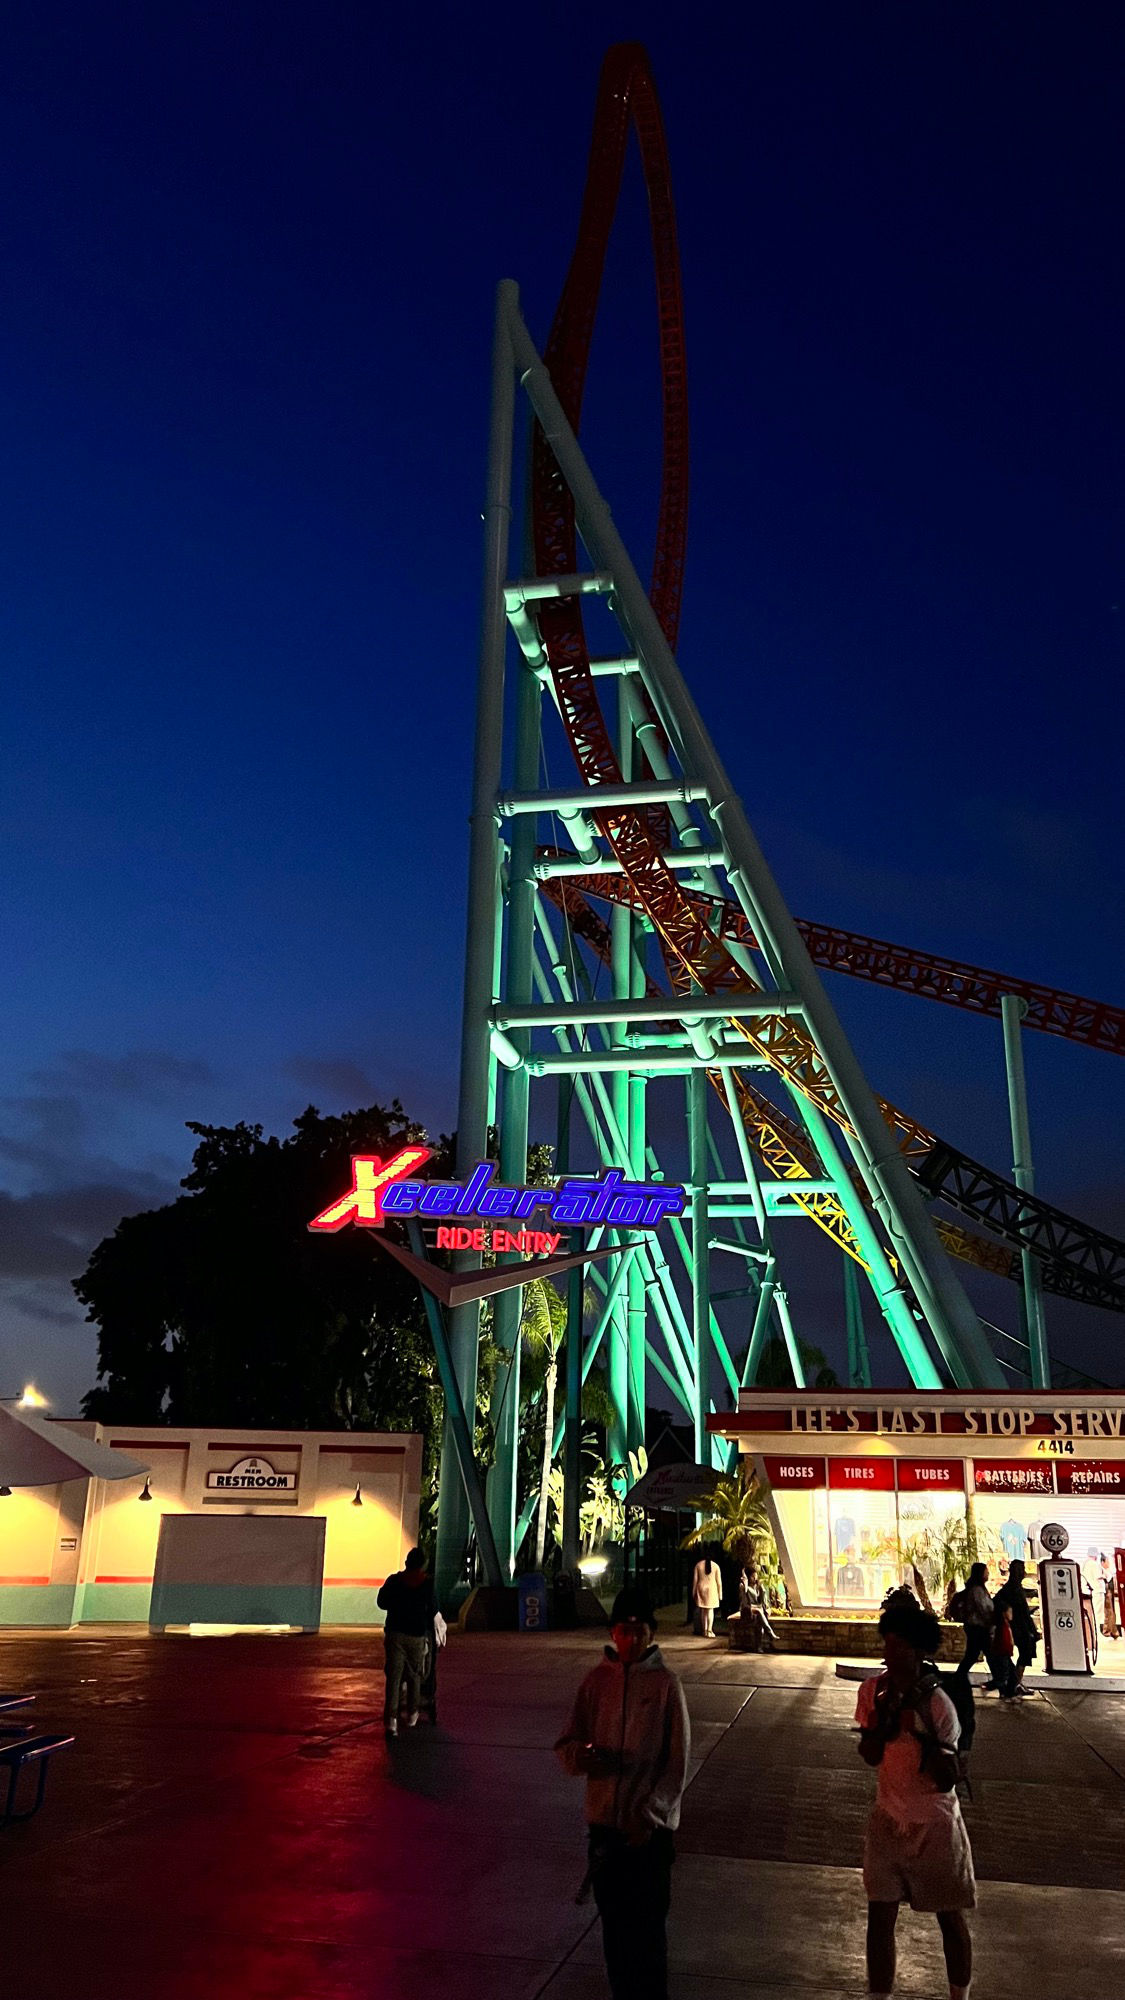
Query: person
<point x="753" y="1605"/>
<point x="409" y="1602"/>
<point x="1012" y="1603"/>
<point x="917" y="1849"/>
<point x="706" y="1593"/>
<point x="628" y="1736"/>
<point x="1111" y="1626"/>
<point x="973" y="1606"/>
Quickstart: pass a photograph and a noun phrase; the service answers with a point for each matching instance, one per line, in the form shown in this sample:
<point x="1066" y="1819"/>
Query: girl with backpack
<point x="917" y="1849"/>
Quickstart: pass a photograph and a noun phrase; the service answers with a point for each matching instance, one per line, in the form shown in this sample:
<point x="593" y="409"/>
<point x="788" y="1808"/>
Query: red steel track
<point x="784" y="1146"/>
<point x="949" y="980"/>
<point x="694" y="947"/>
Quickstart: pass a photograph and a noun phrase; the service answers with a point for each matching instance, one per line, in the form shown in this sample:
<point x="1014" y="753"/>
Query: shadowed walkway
<point x="231" y="1821"/>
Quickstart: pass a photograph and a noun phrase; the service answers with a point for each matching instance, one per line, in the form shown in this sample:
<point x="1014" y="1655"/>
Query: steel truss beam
<point x="656" y="826"/>
<point x="1081" y="1262"/>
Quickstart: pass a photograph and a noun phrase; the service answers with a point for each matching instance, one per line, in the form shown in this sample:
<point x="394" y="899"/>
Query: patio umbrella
<point x="36" y="1452"/>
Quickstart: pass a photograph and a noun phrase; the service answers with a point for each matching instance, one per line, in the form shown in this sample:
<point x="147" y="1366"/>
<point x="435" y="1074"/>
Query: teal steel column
<point x="517" y="974"/>
<point x="859" y="1361"/>
<point x="623" y="1424"/>
<point x="1012" y="1011"/>
<point x="637" y="1295"/>
<point x="471" y="1481"/>
<point x="701" y="1258"/>
<point x="572" y="1405"/>
<point x="954" y="1323"/>
<point x="481" y="922"/>
<point x="635" y="1121"/>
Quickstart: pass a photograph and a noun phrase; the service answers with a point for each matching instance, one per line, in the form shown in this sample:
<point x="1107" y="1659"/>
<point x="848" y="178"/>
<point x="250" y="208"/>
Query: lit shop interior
<point x="854" y="1513"/>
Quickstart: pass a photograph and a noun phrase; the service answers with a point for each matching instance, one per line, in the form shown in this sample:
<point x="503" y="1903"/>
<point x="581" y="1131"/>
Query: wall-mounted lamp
<point x="145" y="1492"/>
<point x="358" y="1501"/>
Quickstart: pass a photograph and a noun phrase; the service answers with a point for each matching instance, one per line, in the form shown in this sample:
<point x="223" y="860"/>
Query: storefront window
<point x="852" y="1528"/>
<point x="1015" y="1497"/>
<point x="803" y="1515"/>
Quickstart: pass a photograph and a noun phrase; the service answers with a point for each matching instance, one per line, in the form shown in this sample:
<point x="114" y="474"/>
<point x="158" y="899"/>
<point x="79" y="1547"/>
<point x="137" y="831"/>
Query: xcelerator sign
<point x="467" y="1212"/>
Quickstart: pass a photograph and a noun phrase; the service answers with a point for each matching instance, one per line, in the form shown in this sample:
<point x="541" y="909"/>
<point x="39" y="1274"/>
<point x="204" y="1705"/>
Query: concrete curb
<point x="1095" y="1683"/>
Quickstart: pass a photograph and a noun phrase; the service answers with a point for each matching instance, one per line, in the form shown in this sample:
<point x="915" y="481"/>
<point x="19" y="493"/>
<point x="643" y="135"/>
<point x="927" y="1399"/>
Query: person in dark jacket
<point x="628" y="1736"/>
<point x="974" y="1607"/>
<point x="409" y="1602"/>
<point x="1012" y="1602"/>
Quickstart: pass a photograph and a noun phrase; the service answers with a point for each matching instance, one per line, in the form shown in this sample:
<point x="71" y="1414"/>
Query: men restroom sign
<point x="252" y="1475"/>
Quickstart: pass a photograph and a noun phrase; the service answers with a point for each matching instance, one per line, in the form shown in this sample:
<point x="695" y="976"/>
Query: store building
<point x="343" y="1507"/>
<point x="859" y="1481"/>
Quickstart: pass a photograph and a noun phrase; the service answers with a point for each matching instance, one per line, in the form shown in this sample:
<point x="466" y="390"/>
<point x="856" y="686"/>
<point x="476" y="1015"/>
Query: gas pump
<point x="1067" y="1631"/>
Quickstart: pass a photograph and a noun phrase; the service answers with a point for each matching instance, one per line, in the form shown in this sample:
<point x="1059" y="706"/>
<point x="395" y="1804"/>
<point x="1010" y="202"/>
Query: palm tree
<point x="543" y="1328"/>
<point x="737" y="1520"/>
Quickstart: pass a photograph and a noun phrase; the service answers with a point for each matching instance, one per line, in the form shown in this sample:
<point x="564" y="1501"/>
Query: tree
<point x="543" y="1329"/>
<point x="222" y="1308"/>
<point x="942" y="1552"/>
<point x="775" y="1370"/>
<point x="736" y="1519"/>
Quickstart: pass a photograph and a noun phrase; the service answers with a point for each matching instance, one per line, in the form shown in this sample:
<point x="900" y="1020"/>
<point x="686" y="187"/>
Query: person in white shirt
<point x="706" y="1593"/>
<point x="917" y="1849"/>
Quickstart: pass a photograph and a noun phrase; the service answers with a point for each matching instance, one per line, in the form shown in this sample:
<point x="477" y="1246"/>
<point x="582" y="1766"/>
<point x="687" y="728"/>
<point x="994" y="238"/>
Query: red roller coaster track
<point x="949" y="980"/>
<point x="694" y="947"/>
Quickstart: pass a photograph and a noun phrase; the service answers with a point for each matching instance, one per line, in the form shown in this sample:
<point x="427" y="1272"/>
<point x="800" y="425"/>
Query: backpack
<point x="958" y="1606"/>
<point x="960" y="1694"/>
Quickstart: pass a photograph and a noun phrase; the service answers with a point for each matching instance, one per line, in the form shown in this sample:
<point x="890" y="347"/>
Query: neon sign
<point x="371" y="1179"/>
<point x="381" y="1188"/>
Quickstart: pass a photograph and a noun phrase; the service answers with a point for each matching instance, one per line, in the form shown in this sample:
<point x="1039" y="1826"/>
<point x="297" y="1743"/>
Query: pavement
<point x="231" y="1822"/>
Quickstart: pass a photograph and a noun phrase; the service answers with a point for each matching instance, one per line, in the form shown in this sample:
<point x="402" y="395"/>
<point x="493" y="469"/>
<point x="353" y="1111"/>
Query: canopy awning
<point x="35" y="1451"/>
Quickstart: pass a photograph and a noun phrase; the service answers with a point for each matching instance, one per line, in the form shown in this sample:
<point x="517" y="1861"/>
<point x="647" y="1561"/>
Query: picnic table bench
<point x="27" y="1749"/>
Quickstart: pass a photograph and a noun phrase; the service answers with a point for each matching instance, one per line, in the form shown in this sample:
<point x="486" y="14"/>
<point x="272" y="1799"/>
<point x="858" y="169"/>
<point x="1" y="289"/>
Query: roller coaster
<point x="624" y="929"/>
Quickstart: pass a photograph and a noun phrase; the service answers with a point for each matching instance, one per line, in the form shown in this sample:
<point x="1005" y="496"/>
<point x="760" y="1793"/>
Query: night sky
<point x="248" y="260"/>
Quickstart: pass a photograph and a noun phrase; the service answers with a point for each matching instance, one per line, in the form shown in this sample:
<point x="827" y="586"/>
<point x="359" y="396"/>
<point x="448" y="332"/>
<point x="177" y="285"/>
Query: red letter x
<point x="370" y="1178"/>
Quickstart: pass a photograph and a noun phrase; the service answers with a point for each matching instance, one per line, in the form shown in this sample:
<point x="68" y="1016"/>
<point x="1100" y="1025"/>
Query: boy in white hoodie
<point x="628" y="1736"/>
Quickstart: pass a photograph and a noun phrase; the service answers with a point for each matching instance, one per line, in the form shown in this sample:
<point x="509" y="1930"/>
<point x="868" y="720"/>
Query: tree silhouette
<point x="222" y="1308"/>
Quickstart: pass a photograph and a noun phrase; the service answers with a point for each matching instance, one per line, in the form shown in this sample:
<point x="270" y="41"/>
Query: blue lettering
<point x="600" y="1204"/>
<point x="477" y="1182"/>
<point x="614" y="1199"/>
<point x="662" y="1202"/>
<point x="496" y="1201"/>
<point x="442" y="1198"/>
<point x="402" y="1197"/>
<point x="573" y="1204"/>
<point x="627" y="1208"/>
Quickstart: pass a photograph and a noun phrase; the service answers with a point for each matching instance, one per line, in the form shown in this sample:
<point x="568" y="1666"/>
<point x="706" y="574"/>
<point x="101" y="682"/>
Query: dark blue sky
<point x="248" y="258"/>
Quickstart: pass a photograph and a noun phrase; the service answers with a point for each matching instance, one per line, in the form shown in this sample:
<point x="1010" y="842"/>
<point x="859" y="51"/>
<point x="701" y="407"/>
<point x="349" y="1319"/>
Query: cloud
<point x="51" y="1235"/>
<point x="333" y="1077"/>
<point x="36" y="1303"/>
<point x="149" y="1075"/>
<point x="50" y="1132"/>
